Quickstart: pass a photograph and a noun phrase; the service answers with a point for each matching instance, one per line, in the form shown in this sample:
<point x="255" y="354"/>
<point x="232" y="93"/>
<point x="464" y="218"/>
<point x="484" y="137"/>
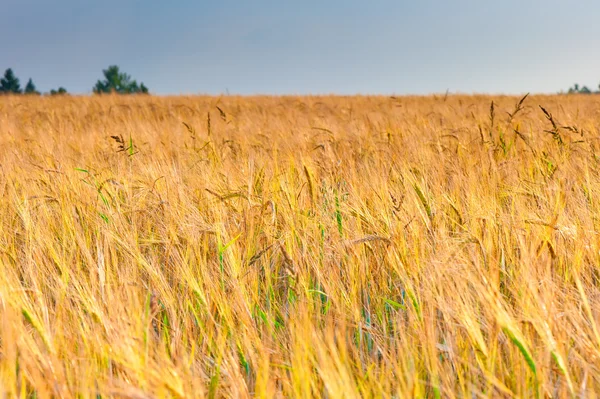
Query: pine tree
<point x="59" y="92"/>
<point x="10" y="83"/>
<point x="118" y="82"/>
<point x="30" y="88"/>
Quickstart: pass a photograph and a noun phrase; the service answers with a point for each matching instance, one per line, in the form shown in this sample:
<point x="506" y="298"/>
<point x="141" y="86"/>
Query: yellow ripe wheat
<point x="299" y="246"/>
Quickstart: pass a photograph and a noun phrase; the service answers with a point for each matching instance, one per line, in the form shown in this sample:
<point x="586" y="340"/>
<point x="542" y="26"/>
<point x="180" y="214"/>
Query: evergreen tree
<point x="10" y="83"/>
<point x="59" y="92"/>
<point x="118" y="82"/>
<point x="30" y="88"/>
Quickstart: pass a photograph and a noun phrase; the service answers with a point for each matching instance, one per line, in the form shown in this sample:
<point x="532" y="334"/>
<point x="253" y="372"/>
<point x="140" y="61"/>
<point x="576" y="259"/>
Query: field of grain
<point x="333" y="247"/>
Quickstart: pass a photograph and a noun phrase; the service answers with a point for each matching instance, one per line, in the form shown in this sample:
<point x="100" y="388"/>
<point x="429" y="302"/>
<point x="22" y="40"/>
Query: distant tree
<point x="60" y="91"/>
<point x="118" y="82"/>
<point x="581" y="90"/>
<point x="30" y="88"/>
<point x="10" y="83"/>
<point x="574" y="89"/>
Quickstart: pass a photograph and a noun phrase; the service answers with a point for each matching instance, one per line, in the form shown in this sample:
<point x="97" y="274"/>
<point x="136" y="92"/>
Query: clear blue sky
<point x="302" y="47"/>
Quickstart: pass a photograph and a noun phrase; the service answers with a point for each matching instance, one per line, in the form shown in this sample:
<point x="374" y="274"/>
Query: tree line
<point x="582" y="90"/>
<point x="114" y="81"/>
<point x="119" y="82"/>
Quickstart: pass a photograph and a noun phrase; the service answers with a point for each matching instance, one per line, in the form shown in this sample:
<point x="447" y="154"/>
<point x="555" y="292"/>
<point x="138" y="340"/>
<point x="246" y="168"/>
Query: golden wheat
<point x="299" y="246"/>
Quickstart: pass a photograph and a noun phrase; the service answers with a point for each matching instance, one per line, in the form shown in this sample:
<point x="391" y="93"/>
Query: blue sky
<point x="306" y="47"/>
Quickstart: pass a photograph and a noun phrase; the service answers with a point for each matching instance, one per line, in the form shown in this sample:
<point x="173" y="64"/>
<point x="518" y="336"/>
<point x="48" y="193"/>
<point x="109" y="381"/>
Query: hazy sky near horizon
<point x="306" y="47"/>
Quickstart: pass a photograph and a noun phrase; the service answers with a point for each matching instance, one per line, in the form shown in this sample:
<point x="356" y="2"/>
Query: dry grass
<point x="299" y="247"/>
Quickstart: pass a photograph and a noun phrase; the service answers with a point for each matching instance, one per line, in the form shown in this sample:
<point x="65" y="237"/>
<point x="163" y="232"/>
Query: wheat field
<point x="335" y="247"/>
